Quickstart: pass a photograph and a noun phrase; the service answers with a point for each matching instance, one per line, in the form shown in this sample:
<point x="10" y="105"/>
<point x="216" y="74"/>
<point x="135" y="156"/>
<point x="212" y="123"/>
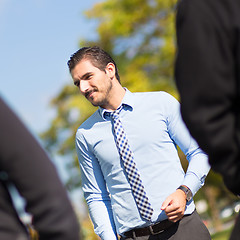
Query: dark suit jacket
<point x="36" y="179"/>
<point x="208" y="78"/>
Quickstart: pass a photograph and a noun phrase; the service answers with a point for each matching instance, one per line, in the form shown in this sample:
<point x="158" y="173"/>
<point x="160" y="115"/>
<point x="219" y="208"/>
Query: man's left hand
<point x="174" y="205"/>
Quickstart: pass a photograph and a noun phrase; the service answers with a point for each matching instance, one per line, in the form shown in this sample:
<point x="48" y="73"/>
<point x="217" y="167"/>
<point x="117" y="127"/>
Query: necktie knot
<point x="115" y="114"/>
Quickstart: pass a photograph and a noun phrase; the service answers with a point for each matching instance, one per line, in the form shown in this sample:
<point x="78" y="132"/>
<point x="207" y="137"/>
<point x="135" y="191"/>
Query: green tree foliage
<point x="139" y="34"/>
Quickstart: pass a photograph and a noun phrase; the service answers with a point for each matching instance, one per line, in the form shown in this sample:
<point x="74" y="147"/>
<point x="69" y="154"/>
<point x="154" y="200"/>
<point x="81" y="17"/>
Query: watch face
<point x="187" y="191"/>
<point x="189" y="195"/>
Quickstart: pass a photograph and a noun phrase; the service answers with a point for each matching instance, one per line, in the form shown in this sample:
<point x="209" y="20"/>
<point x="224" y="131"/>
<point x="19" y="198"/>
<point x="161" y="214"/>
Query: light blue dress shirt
<point x="153" y="124"/>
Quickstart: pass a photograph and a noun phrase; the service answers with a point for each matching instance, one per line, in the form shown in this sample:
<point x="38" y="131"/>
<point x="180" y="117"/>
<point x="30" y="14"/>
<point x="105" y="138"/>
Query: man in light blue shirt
<point x="154" y="128"/>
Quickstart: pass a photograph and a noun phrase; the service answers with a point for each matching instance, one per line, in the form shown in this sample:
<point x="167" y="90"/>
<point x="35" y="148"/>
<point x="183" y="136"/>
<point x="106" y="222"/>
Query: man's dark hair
<point x="97" y="56"/>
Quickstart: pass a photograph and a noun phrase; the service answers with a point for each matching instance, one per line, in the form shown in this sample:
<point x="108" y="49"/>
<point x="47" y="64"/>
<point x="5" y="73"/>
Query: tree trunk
<point x="211" y="195"/>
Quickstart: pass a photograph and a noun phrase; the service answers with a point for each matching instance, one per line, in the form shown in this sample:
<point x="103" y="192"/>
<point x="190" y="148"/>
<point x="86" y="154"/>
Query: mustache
<point x="86" y="94"/>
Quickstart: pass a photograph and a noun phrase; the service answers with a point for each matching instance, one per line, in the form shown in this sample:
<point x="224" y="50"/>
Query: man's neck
<point x="117" y="95"/>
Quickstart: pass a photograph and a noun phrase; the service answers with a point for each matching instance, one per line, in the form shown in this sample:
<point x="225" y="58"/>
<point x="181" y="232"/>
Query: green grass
<point x="224" y="235"/>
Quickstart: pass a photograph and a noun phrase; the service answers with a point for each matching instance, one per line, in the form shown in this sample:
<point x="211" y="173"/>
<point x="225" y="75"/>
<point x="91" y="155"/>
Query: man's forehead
<point x="83" y="67"/>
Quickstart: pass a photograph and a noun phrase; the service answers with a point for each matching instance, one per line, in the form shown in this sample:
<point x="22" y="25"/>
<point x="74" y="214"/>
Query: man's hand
<point x="174" y="205"/>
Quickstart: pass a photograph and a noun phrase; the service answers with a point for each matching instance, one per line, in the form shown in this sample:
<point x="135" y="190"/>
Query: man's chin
<point x="97" y="103"/>
<point x="94" y="104"/>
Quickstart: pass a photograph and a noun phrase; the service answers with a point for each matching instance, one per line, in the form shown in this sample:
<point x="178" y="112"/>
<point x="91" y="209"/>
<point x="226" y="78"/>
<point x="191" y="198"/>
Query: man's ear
<point x="110" y="70"/>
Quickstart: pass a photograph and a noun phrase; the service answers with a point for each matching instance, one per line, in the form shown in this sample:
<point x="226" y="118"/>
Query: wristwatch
<point x="187" y="191"/>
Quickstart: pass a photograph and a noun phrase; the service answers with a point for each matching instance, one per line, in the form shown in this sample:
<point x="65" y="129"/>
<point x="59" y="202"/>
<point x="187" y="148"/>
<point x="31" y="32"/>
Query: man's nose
<point x="83" y="86"/>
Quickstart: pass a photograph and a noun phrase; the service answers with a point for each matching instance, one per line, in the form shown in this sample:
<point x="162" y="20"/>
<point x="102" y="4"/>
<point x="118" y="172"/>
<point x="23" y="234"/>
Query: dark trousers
<point x="189" y="227"/>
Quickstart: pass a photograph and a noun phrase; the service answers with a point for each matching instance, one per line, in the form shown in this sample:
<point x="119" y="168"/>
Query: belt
<point x="150" y="230"/>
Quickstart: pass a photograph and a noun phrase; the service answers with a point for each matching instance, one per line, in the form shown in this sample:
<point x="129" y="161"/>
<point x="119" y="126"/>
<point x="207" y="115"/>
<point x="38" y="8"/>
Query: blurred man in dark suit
<point x="25" y="164"/>
<point x="208" y="78"/>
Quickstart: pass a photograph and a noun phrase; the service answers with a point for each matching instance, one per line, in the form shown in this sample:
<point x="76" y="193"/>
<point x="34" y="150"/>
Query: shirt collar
<point x="127" y="102"/>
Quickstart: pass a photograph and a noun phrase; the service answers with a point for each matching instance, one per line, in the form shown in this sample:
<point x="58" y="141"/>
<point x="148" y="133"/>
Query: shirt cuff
<point x="193" y="182"/>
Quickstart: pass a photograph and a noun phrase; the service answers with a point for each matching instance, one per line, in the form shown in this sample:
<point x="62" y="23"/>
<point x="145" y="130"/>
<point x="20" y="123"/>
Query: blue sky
<point x="37" y="38"/>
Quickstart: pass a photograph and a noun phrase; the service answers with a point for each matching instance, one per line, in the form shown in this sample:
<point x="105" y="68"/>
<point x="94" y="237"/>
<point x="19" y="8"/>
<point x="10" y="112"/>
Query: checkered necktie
<point x="126" y="155"/>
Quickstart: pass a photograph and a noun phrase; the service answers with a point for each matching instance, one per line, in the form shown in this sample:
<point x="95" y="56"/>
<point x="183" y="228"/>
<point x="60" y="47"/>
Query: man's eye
<point x="88" y="77"/>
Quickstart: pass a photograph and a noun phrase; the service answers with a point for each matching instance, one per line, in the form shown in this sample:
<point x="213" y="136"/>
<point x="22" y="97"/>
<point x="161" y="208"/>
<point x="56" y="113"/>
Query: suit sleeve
<point x="30" y="170"/>
<point x="205" y="75"/>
